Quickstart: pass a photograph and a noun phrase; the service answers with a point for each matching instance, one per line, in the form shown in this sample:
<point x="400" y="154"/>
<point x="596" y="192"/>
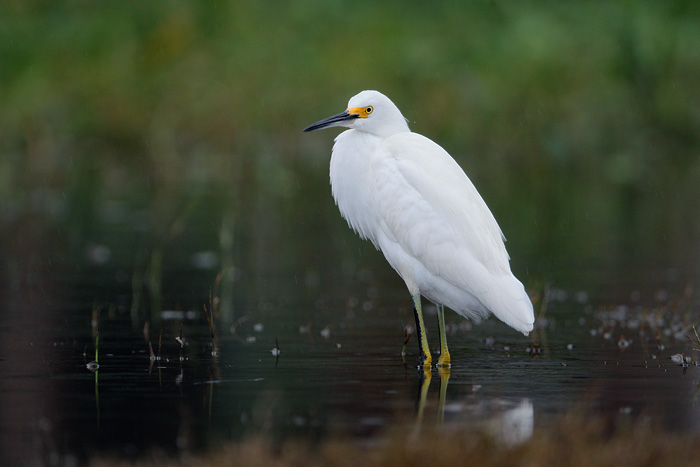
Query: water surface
<point x="339" y="372"/>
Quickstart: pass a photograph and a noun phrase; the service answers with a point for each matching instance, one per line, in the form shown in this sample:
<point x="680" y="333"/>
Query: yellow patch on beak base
<point x="361" y="112"/>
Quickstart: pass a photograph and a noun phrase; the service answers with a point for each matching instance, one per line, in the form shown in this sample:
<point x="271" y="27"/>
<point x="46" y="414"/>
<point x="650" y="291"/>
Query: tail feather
<point x="511" y="304"/>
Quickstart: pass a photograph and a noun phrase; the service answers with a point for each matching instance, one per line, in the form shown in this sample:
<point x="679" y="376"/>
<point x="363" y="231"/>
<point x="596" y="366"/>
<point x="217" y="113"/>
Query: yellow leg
<point x="425" y="358"/>
<point x="444" y="360"/>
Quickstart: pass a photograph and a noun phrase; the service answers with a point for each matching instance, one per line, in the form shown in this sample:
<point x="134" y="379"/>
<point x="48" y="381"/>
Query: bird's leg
<point x="444" y="360"/>
<point x="443" y="363"/>
<point x="425" y="358"/>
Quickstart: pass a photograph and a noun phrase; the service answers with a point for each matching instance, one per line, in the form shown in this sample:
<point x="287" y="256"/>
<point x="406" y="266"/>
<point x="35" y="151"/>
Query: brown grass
<point x="574" y="441"/>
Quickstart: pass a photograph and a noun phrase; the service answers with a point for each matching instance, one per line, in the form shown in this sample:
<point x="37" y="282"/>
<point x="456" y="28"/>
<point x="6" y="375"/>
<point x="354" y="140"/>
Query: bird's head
<point x="368" y="111"/>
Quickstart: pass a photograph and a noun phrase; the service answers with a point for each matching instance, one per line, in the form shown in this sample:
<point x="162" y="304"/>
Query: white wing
<point x="420" y="187"/>
<point x="438" y="233"/>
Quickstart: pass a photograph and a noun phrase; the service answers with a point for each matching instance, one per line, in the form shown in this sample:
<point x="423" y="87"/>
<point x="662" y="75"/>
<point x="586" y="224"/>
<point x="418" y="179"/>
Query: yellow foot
<point x="426" y="360"/>
<point x="444" y="360"/>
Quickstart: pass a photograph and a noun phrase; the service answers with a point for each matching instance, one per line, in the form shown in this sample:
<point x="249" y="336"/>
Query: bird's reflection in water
<point x="425" y="378"/>
<point x="514" y="426"/>
<point x="444" y="378"/>
<point x="510" y="426"/>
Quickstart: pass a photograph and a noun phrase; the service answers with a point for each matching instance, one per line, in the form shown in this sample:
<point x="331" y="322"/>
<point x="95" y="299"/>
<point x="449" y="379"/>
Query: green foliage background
<point x="156" y="126"/>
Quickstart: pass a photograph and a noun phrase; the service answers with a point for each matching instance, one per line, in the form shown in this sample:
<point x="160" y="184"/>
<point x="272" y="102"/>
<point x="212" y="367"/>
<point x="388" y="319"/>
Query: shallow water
<point x="339" y="372"/>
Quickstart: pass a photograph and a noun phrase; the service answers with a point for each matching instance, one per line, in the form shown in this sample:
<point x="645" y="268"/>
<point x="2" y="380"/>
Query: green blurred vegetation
<point x="142" y="126"/>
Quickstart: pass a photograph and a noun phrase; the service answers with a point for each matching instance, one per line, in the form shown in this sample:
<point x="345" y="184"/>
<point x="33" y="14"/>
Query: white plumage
<point x="409" y="197"/>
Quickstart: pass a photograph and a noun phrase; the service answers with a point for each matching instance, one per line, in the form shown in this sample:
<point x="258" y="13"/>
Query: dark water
<point x="339" y="371"/>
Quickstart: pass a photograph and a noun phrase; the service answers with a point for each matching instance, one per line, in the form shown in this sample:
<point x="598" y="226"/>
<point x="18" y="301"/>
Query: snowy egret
<point x="409" y="197"/>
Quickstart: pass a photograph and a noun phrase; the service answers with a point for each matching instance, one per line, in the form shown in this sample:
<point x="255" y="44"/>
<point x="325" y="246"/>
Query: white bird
<point x="408" y="196"/>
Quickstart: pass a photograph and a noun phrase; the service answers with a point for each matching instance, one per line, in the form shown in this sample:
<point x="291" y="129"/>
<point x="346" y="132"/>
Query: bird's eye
<point x="369" y="110"/>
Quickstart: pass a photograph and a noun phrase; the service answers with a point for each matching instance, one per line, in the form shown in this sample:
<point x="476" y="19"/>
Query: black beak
<point x="335" y="120"/>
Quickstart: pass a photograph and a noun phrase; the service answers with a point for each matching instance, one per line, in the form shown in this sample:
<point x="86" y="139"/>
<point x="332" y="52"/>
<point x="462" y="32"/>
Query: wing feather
<point x="426" y="201"/>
